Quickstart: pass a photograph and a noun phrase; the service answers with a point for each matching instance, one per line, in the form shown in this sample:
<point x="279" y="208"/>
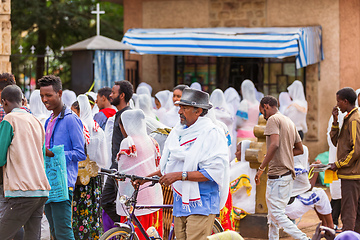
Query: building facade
<point x="340" y="22"/>
<point x="5" y="41"/>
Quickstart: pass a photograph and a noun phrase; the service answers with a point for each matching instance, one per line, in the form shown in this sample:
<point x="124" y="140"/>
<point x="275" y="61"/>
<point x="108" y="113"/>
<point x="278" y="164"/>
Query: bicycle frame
<point x="133" y="219"/>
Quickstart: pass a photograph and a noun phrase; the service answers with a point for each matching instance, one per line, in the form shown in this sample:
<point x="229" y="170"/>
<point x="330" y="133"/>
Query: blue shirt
<point x="210" y="199"/>
<point x="68" y="131"/>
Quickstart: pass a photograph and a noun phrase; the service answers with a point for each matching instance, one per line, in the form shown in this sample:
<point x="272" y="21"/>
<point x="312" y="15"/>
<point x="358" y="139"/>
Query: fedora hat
<point x="195" y="98"/>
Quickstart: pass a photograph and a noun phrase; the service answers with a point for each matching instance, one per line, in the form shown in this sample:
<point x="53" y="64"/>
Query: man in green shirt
<point x="26" y="187"/>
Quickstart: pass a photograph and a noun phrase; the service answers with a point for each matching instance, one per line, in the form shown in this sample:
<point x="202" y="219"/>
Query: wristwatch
<point x="183" y="176"/>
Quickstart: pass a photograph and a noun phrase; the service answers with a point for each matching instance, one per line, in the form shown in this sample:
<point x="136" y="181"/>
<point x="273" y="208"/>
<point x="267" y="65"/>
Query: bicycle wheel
<point x="217" y="227"/>
<point x="118" y="233"/>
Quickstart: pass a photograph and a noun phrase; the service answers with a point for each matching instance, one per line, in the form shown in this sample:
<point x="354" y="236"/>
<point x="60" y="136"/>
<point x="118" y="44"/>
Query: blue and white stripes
<point x="304" y="43"/>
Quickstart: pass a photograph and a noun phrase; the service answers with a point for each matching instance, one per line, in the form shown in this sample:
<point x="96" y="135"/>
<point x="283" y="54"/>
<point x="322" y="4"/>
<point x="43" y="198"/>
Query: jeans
<point x="59" y="217"/>
<point x="22" y="211"/>
<point x="277" y="196"/>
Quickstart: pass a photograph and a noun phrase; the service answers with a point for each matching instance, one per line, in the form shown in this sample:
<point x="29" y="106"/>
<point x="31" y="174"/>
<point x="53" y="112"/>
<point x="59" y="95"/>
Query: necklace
<point x="53" y="117"/>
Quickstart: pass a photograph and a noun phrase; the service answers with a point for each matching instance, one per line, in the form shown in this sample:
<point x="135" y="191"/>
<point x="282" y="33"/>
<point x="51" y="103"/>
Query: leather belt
<point x="279" y="176"/>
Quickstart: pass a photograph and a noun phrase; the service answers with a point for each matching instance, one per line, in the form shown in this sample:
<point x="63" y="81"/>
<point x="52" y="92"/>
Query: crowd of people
<point x="195" y="143"/>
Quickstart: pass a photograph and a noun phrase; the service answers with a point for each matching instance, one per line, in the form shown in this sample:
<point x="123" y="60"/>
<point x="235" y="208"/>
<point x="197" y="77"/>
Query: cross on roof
<point x="97" y="12"/>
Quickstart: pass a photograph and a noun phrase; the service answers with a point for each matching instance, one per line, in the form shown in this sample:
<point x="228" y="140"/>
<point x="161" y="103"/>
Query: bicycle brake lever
<point x="156" y="180"/>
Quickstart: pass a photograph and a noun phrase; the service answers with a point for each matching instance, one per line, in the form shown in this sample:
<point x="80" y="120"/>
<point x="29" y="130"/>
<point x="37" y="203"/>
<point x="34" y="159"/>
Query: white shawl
<point x="202" y="145"/>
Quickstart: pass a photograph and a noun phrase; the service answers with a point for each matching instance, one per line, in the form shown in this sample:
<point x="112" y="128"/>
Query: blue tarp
<point x="305" y="43"/>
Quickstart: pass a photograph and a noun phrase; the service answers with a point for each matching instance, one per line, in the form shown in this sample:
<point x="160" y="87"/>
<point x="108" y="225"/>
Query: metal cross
<point x="97" y="12"/>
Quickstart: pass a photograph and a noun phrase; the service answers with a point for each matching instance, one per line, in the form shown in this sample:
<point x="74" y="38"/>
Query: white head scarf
<point x="144" y="84"/>
<point x="220" y="106"/>
<point x="248" y="91"/>
<point x="163" y="97"/>
<point x="143" y="90"/>
<point x="68" y="97"/>
<point x="296" y="92"/>
<point x="298" y="109"/>
<point x="357" y="94"/>
<point x="95" y="109"/>
<point x="233" y="98"/>
<point x="245" y="144"/>
<point x="146" y="105"/>
<point x="249" y="98"/>
<point x="196" y="85"/>
<point x="97" y="148"/>
<point x="217" y="98"/>
<point x="85" y="112"/>
<point x="248" y="112"/>
<point x="284" y="101"/>
<point x="38" y="108"/>
<point x="134" y="123"/>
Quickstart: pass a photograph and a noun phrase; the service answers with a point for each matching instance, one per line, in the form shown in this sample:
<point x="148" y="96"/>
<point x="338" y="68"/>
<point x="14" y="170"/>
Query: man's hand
<point x="335" y="113"/>
<point x="49" y="153"/>
<point x="333" y="166"/>
<point x="257" y="176"/>
<point x="170" y="178"/>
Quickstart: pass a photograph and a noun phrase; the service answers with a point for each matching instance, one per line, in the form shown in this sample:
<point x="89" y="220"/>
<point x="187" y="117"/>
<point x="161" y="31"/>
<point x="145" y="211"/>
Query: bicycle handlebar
<point x="121" y="176"/>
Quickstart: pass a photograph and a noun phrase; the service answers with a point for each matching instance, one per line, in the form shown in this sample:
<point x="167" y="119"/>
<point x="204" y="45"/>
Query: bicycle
<point x="126" y="230"/>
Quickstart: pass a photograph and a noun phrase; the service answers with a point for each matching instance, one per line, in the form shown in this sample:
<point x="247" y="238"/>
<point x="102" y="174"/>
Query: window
<point x="279" y="74"/>
<point x="269" y="75"/>
<point x="191" y="69"/>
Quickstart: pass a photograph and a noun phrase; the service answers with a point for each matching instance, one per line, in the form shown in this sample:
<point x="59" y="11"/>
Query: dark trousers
<point x="350" y="205"/>
<point x="336" y="209"/>
<point x="22" y="211"/>
<point x="108" y="197"/>
<point x="59" y="217"/>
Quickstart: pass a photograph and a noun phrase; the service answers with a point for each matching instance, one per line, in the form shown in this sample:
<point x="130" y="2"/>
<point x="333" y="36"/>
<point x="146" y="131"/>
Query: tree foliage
<point x="57" y="23"/>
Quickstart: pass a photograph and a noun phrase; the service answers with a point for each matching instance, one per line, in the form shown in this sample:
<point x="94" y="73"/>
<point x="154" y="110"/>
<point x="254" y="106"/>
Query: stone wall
<point x="5" y="44"/>
<point x="235" y="13"/>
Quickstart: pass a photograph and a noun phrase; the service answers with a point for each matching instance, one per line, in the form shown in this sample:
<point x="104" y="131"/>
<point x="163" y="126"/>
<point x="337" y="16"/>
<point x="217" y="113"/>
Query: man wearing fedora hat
<point x="195" y="162"/>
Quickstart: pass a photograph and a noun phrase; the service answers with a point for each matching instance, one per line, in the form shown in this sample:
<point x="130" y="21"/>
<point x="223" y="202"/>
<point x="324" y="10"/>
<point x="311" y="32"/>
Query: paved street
<point x="307" y="224"/>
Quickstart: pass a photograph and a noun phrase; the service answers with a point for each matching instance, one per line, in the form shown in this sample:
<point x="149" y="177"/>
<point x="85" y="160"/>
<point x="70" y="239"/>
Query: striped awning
<point x="302" y="42"/>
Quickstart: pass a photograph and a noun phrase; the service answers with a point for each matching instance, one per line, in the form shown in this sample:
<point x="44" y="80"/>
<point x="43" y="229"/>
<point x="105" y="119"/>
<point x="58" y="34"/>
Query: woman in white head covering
<point x="196" y="85"/>
<point x="94" y="106"/>
<point x="96" y="149"/>
<point x="298" y="109"/>
<point x="145" y="105"/>
<point x="247" y="115"/>
<point x="233" y="98"/>
<point x="222" y="112"/>
<point x="172" y="116"/>
<point x="161" y="101"/>
<point x="284" y="101"/>
<point x="144" y="84"/>
<point x="138" y="155"/>
<point x="85" y="215"/>
<point x="242" y="183"/>
<point x="357" y="97"/>
<point x="68" y="97"/>
<point x="143" y="90"/>
<point x="38" y="108"/>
